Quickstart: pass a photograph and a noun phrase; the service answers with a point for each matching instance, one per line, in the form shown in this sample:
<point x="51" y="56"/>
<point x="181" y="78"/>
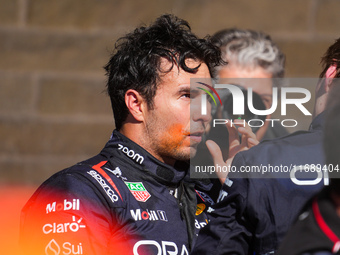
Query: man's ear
<point x="330" y="74"/>
<point x="135" y="103"/>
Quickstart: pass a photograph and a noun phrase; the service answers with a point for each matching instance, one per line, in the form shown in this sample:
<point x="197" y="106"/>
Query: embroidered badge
<point x="200" y="208"/>
<point x="138" y="191"/>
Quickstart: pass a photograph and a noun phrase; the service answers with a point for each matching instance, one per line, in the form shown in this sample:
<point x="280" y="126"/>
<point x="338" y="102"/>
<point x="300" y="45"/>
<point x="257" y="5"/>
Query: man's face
<point x="172" y="133"/>
<point x="263" y="87"/>
<point x="257" y="79"/>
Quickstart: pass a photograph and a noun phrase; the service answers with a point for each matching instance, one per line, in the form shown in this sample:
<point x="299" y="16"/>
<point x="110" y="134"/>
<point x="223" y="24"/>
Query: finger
<point x="244" y="137"/>
<point x="244" y="142"/>
<point x="245" y="127"/>
<point x="247" y="131"/>
<point x="248" y="137"/>
<point x="216" y="154"/>
<point x="234" y="138"/>
<point x="252" y="142"/>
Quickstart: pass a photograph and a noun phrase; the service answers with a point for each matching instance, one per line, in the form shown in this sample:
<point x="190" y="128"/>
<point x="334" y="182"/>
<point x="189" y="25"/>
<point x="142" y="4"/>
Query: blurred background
<point x="53" y="108"/>
<point x="53" y="111"/>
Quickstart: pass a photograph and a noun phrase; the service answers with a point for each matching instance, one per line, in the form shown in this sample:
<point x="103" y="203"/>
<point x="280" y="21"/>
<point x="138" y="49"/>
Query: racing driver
<point x="135" y="196"/>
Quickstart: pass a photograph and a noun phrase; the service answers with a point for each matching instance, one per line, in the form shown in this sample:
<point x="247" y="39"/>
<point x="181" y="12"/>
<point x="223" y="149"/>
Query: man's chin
<point x="186" y="154"/>
<point x="193" y="151"/>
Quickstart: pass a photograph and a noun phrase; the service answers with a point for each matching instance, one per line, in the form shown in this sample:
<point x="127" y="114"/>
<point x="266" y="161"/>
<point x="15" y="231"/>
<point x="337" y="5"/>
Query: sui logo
<point x="53" y="248"/>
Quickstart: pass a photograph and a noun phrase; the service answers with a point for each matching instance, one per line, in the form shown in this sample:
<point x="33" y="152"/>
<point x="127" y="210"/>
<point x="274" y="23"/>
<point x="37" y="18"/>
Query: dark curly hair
<point x="135" y="63"/>
<point x="331" y="135"/>
<point x="331" y="57"/>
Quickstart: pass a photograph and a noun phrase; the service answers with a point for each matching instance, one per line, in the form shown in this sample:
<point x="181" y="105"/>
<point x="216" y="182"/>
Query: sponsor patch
<point x="163" y="247"/>
<point x="131" y="154"/>
<point x="57" y="228"/>
<point x="65" y="206"/>
<point x="117" y="172"/>
<point x="138" y="191"/>
<point x="200" y="208"/>
<point x="66" y="248"/>
<point x="109" y="192"/>
<point x="152" y="215"/>
<point x="201" y="224"/>
<point x="205" y="197"/>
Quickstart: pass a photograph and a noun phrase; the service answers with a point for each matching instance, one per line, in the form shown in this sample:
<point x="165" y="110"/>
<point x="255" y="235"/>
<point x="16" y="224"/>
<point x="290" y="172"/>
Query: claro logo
<point x="66" y="227"/>
<point x="131" y="154"/>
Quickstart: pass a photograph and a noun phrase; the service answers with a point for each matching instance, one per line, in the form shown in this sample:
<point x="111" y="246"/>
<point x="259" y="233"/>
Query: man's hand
<point x="248" y="140"/>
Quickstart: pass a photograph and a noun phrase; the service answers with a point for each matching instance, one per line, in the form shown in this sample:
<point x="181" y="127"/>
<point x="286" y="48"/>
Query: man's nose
<point x="198" y="115"/>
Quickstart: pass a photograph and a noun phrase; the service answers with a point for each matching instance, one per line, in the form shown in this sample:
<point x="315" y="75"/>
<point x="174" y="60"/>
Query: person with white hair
<point x="252" y="54"/>
<point x="254" y="211"/>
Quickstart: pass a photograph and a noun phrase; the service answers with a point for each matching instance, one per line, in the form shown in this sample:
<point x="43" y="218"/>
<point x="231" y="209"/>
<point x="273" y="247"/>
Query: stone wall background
<point x="53" y="112"/>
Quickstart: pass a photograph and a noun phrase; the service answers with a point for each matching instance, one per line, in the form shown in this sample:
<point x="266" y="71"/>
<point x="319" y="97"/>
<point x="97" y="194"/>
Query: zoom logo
<point x="131" y="154"/>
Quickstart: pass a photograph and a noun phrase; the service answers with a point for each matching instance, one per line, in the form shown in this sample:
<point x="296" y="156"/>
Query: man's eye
<point x="266" y="101"/>
<point x="187" y="95"/>
<point x="210" y="100"/>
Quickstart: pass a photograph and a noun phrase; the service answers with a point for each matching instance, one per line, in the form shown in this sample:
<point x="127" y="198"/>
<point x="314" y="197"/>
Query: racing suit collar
<point x="318" y="121"/>
<point x="143" y="160"/>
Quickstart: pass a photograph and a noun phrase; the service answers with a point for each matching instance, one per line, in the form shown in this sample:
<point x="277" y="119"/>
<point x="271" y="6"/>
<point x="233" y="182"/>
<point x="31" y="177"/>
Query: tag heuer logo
<point x="138" y="191"/>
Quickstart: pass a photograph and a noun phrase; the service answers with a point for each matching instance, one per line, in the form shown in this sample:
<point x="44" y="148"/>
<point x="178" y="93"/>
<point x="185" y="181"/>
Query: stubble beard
<point x="163" y="145"/>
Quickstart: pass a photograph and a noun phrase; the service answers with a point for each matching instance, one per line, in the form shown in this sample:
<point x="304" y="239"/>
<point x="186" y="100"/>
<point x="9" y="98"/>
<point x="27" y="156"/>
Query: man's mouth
<point x="196" y="137"/>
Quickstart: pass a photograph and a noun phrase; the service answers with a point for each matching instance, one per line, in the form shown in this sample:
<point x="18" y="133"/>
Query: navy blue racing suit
<point x="122" y="201"/>
<point x="254" y="213"/>
<point x="317" y="229"/>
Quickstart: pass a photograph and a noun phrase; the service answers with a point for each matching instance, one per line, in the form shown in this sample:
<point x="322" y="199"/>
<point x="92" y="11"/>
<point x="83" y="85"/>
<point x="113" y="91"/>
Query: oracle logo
<point x="165" y="247"/>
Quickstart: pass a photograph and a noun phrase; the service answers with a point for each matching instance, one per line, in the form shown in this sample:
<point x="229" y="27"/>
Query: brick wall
<point x="53" y="111"/>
